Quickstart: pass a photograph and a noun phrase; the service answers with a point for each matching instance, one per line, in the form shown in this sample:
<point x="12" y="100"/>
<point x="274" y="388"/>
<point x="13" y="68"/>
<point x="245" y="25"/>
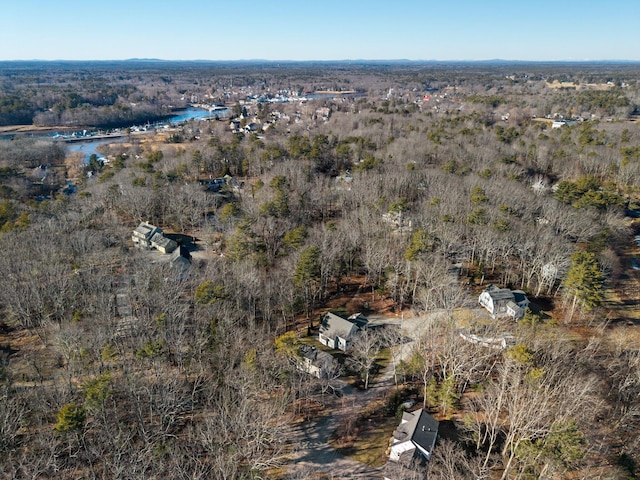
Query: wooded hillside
<point x="406" y="196"/>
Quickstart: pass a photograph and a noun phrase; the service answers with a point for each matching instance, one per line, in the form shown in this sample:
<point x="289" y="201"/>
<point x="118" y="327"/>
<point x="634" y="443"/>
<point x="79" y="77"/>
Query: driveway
<point x="313" y="457"/>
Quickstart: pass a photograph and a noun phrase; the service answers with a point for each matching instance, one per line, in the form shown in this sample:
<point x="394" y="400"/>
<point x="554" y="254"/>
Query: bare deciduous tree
<point x="363" y="353"/>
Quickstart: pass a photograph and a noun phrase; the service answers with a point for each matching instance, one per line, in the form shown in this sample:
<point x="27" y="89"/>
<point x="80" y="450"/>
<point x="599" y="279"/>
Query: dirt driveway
<point x="313" y="457"/>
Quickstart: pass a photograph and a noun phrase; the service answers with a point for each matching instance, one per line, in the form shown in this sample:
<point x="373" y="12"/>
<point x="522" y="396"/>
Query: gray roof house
<point x="163" y="244"/>
<point x="503" y="302"/>
<point x="315" y="362"/>
<point x="414" y="439"/>
<point x="149" y="236"/>
<point x="337" y="332"/>
<point x="141" y="236"/>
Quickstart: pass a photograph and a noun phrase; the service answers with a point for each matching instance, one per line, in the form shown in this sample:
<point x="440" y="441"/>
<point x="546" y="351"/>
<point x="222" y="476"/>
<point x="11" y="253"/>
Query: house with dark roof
<point x="503" y="302"/>
<point x="414" y="439"/>
<point x="337" y="332"/>
<point x="316" y="362"/>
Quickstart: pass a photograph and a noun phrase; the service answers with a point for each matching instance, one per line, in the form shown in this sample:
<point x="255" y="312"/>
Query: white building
<point x="415" y="438"/>
<point x="502" y="302"/>
<point x="337" y="332"/>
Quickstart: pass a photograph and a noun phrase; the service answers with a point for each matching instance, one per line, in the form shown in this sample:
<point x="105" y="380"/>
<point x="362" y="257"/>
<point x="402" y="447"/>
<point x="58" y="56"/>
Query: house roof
<point x="334" y="326"/>
<point x="511" y="298"/>
<point x="359" y="320"/>
<point x="182" y="252"/>
<point x="513" y="305"/>
<point x="320" y="359"/>
<point x="146" y="230"/>
<point x="499" y="294"/>
<point x="419" y="427"/>
<point x="180" y="263"/>
<point x="519" y="296"/>
<point x="162" y="241"/>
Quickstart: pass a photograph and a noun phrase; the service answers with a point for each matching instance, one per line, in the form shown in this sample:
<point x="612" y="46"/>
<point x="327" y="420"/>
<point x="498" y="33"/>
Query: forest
<point x="395" y="190"/>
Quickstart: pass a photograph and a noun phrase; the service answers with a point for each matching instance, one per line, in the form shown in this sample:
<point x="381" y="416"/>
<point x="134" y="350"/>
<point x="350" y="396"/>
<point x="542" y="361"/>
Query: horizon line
<point x="355" y="60"/>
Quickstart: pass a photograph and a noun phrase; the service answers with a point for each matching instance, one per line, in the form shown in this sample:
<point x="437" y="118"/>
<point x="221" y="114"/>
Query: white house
<point x="415" y="438"/>
<point x="503" y="302"/>
<point x="337" y="332"/>
<point x="562" y="123"/>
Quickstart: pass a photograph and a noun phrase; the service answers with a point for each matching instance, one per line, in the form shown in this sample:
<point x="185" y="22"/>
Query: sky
<point x="541" y="30"/>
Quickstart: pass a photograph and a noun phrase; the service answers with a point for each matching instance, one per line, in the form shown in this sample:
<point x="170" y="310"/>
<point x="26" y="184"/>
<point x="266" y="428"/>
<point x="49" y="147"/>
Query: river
<point x="90" y="146"/>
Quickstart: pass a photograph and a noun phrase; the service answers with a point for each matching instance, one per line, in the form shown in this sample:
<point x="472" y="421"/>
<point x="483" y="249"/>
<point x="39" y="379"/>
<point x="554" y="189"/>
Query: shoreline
<point x="334" y="92"/>
<point x="17" y="129"/>
<point x="34" y="129"/>
<point x="39" y="130"/>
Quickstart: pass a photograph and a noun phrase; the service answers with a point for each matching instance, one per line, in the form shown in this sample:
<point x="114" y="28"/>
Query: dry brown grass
<point x="579" y="86"/>
<point x="365" y="438"/>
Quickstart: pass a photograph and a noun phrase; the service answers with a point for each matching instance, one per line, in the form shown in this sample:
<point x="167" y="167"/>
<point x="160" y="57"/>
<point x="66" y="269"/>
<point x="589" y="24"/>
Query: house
<point x="337" y="332"/>
<point x="149" y="236"/>
<point x="414" y="439"/>
<point x="562" y="123"/>
<point x="213" y="184"/>
<point x="503" y="302"/>
<point x="162" y="243"/>
<point x="142" y="235"/>
<point x="217" y="184"/>
<point x="316" y="362"/>
<point x="251" y="127"/>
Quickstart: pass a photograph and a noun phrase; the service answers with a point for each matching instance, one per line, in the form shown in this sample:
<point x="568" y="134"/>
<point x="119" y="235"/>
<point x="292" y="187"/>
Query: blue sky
<point x="328" y="30"/>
